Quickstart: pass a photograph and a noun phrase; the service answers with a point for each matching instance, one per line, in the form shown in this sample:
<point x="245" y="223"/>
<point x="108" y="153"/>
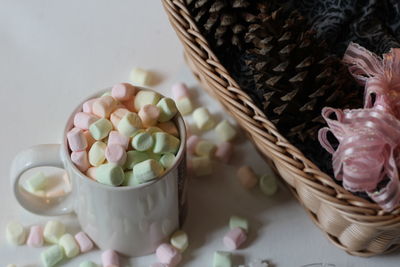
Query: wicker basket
<point x="353" y="224"/>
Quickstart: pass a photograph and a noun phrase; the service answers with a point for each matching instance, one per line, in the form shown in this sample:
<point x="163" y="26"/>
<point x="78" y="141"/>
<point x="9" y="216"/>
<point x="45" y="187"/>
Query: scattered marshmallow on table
<point x="69" y="245"/>
<point x="205" y="148"/>
<point x="222" y="259"/>
<point x="76" y="139"/>
<point x="140" y="76"/>
<point x="100" y="129"/>
<point x="167" y="109"/>
<point x="179" y="90"/>
<point x="97" y="153"/>
<point x="149" y="114"/>
<point x="117" y="115"/>
<point x="247" y="177"/>
<point x="83" y="120"/>
<point x="224" y="152"/>
<point x="184" y="105"/>
<point x="180" y="240"/>
<point x="37" y="182"/>
<point x="237" y="221"/>
<point x="35" y="238"/>
<point x="84" y="242"/>
<point x="53" y="231"/>
<point x="225" y="131"/>
<point x="104" y="106"/>
<point x="167" y="160"/>
<point x="201" y="166"/>
<point x="52" y="256"/>
<point x="191" y="143"/>
<point x="115" y="154"/>
<point x="168" y="254"/>
<point x="147" y="170"/>
<point x="110" y="174"/>
<point x="129" y="124"/>
<point x="88" y="264"/>
<point x="110" y="258"/>
<point x="123" y="91"/>
<point x="81" y="160"/>
<point x="268" y="184"/>
<point x="234" y="238"/>
<point x="203" y="119"/>
<point x="15" y="233"/>
<point x="165" y="143"/>
<point x="146" y="97"/>
<point x="142" y="141"/>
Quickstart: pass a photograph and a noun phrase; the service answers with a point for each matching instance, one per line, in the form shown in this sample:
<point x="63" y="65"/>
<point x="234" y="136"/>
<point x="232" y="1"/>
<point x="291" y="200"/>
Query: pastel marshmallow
<point x="149" y="114"/>
<point x="205" y="148"/>
<point x="147" y="170"/>
<point x="81" y="160"/>
<point x="129" y="105"/>
<point x="87" y="107"/>
<point x="84" y="242"/>
<point x="104" y="106"/>
<point x="15" y="233"/>
<point x="268" y="184"/>
<point x="115" y="138"/>
<point x="167" y="108"/>
<point x="201" y="166"/>
<point x="184" y="105"/>
<point x="123" y="91"/>
<point x="165" y="143"/>
<point x="76" y="139"/>
<point x="179" y="90"/>
<point x="83" y="120"/>
<point x="224" y="152"/>
<point x="91" y="173"/>
<point x="53" y="231"/>
<point x="130" y="179"/>
<point x="153" y="129"/>
<point x="89" y="138"/>
<point x="140" y="76"/>
<point x="180" y="240"/>
<point x="52" y="256"/>
<point x="38" y="181"/>
<point x="144" y="97"/>
<point x="134" y="157"/>
<point x="110" y="258"/>
<point x="88" y="264"/>
<point x="203" y="119"/>
<point x="237" y="221"/>
<point x="69" y="245"/>
<point x="100" y="129"/>
<point x="129" y="124"/>
<point x="110" y="174"/>
<point x="247" y="178"/>
<point x="35" y="238"/>
<point x="169" y="127"/>
<point x="97" y="153"/>
<point x="116" y="154"/>
<point x="117" y="115"/>
<point x="234" y="238"/>
<point x="222" y="259"/>
<point x="168" y="254"/>
<point x="167" y="160"/>
<point x="142" y="141"/>
<point x="191" y="144"/>
<point x="225" y="131"/>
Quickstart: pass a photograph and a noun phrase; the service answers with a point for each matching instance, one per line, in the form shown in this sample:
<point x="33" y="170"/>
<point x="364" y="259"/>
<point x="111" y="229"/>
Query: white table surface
<point x="54" y="53"/>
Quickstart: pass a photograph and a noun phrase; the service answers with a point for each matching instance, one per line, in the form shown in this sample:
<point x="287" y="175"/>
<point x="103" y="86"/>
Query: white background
<point x="54" y="53"/>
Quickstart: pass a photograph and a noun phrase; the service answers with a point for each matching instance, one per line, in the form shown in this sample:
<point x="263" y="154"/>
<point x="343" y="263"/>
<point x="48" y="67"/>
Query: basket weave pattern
<point x="355" y="225"/>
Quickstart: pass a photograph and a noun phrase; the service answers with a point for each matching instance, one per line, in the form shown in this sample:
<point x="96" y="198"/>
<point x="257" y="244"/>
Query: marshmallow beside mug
<point x="130" y="220"/>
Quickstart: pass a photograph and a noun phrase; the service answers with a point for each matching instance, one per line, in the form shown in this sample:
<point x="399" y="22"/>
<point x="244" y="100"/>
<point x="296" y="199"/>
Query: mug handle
<point x="39" y="156"/>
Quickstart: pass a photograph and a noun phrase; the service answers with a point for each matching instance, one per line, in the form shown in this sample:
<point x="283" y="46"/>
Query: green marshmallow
<point x="268" y="184"/>
<point x="69" y="245"/>
<point x="165" y="143"/>
<point x="167" y="108"/>
<point x="237" y="221"/>
<point x="147" y="170"/>
<point x="142" y="141"/>
<point x="144" y="97"/>
<point x="36" y="182"/>
<point x="53" y="230"/>
<point x="51" y="256"/>
<point x="167" y="160"/>
<point x="222" y="259"/>
<point x="153" y="155"/>
<point x="88" y="264"/>
<point x="134" y="157"/>
<point x="100" y="128"/>
<point x="129" y="124"/>
<point x="130" y="179"/>
<point x="110" y="174"/>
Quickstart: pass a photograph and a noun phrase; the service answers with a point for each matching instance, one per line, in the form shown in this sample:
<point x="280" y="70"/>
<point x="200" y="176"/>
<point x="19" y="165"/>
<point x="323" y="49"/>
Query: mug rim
<point x="178" y="120"/>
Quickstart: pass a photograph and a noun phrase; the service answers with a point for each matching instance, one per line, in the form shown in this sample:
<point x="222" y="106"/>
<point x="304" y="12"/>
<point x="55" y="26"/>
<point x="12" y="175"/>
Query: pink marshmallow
<point x="104" y="106"/>
<point x="123" y="91"/>
<point x="158" y="264"/>
<point x="89" y="138"/>
<point x="169" y="127"/>
<point x="235" y="238"/>
<point x="117" y="115"/>
<point x="224" y="152"/>
<point x="87" y="106"/>
<point x="110" y="258"/>
<point x="83" y="120"/>
<point x="149" y="115"/>
<point x="91" y="173"/>
<point x="115" y="138"/>
<point x="191" y="143"/>
<point x="116" y="154"/>
<point x="35" y="238"/>
<point x="169" y="255"/>
<point x="180" y="90"/>
<point x="76" y="140"/>
<point x="84" y="242"/>
<point x="81" y="160"/>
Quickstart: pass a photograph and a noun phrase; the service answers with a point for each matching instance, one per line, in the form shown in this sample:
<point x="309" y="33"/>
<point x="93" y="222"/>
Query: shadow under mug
<point x="130" y="220"/>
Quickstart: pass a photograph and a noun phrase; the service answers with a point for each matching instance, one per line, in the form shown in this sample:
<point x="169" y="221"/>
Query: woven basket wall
<point x="353" y="224"/>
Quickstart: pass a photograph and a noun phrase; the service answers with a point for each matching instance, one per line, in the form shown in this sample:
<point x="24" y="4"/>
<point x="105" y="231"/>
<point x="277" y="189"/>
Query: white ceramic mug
<point x="130" y="220"/>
